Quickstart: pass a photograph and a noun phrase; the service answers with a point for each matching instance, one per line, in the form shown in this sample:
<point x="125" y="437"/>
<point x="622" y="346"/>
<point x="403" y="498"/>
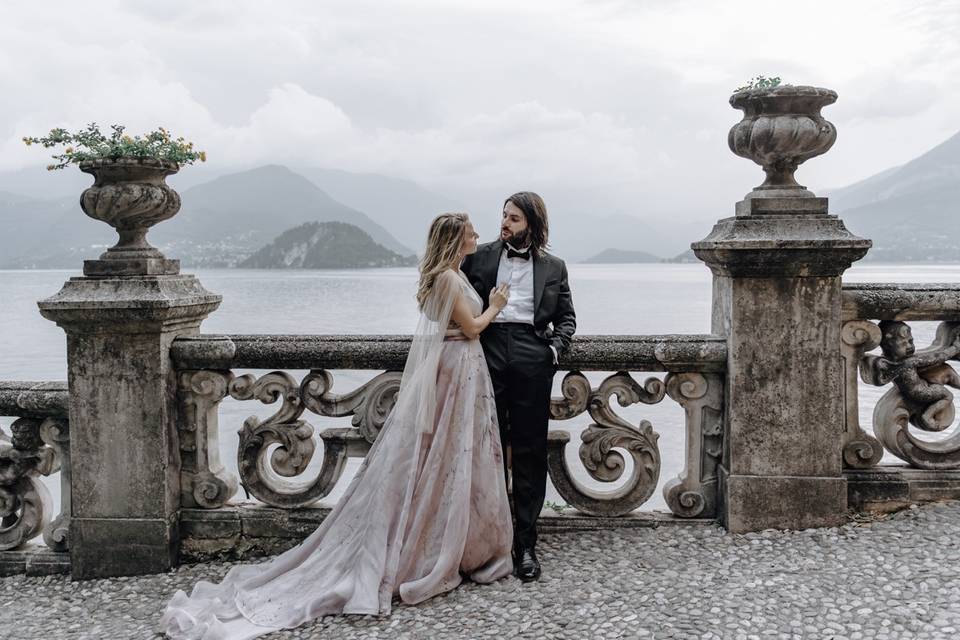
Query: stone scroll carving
<point x="55" y="433"/>
<point x="280" y="447"/>
<point x="369" y="405"/>
<point x="919" y="396"/>
<point x="263" y="467"/>
<point x="204" y="482"/>
<point x="693" y="494"/>
<point x="602" y="443"/>
<point x="860" y="450"/>
<point x="275" y="450"/>
<point x="25" y="504"/>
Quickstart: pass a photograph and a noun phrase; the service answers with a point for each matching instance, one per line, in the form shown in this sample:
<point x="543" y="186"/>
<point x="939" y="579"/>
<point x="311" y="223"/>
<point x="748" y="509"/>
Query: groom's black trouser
<point x="522" y="369"/>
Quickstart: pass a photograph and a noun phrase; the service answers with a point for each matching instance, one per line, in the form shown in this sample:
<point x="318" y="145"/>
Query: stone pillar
<point x="776" y="297"/>
<point x="120" y="319"/>
<point x="123" y="445"/>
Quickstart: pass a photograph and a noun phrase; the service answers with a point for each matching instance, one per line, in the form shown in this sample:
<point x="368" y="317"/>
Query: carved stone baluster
<point x="262" y="475"/>
<point x="25" y="504"/>
<point x="919" y="395"/>
<point x="55" y="432"/>
<point x="860" y="450"/>
<point x="204" y="482"/>
<point x="693" y="494"/>
<point x="369" y="405"/>
<point x="601" y="441"/>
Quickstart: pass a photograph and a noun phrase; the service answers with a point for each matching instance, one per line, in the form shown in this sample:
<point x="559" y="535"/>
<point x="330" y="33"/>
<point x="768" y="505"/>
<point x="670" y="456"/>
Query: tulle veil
<point x="418" y="385"/>
<point x="327" y="572"/>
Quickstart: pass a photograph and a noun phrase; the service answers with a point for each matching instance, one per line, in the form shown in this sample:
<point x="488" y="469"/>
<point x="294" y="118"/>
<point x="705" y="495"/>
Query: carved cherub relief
<point x="920" y="376"/>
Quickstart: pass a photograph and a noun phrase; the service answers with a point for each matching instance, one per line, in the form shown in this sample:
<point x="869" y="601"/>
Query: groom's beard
<point x="519" y="240"/>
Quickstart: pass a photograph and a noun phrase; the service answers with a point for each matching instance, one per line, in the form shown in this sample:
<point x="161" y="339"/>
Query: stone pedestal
<point x="776" y="297"/>
<point x="126" y="466"/>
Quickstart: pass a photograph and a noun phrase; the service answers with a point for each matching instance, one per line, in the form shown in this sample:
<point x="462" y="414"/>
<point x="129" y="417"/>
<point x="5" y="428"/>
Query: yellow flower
<point x="68" y="150"/>
<point x="27" y="141"/>
<point x="203" y="156"/>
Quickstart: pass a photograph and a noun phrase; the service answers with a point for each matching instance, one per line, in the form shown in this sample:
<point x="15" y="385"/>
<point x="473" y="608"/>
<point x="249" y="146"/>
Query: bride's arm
<point x="473" y="326"/>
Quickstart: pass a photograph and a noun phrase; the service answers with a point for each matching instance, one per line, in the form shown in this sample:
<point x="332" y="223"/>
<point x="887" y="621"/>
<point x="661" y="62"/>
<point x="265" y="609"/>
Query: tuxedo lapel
<point x="539" y="277"/>
<point x="492" y="266"/>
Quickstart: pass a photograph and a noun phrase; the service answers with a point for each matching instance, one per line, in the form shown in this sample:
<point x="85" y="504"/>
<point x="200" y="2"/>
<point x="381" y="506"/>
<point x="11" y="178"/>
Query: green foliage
<point x="91" y="144"/>
<point x="760" y="82"/>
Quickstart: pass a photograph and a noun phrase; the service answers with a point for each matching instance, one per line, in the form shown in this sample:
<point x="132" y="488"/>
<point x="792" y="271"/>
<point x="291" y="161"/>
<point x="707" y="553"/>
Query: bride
<point x="428" y="504"/>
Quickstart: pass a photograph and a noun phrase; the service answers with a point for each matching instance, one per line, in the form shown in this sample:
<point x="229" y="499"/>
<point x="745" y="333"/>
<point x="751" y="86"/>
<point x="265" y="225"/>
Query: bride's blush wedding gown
<point x="427" y="506"/>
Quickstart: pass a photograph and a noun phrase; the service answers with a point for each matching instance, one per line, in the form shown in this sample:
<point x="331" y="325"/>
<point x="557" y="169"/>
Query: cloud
<point x="625" y="98"/>
<point x="886" y="94"/>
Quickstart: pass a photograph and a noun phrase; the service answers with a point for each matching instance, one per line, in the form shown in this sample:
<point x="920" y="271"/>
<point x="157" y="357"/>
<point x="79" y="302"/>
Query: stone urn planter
<point x="781" y="128"/>
<point x="131" y="195"/>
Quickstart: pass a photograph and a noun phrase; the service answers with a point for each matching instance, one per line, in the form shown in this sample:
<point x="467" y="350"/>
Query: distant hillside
<point x="619" y="256"/>
<point x="686" y="257"/>
<point x="915" y="227"/>
<point x="325" y="245"/>
<point x="911" y="212"/>
<point x="935" y="169"/>
<point x="221" y="222"/>
<point x="39" y="234"/>
<point x="402" y="207"/>
<point x="580" y="234"/>
<point x="226" y="219"/>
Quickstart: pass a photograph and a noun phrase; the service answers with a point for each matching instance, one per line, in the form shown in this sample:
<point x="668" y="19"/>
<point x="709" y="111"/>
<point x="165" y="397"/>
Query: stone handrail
<point x="671" y="352"/>
<point x="39" y="445"/>
<point x="894" y="301"/>
<point x="919" y="394"/>
<point x="29" y="399"/>
<point x="205" y="364"/>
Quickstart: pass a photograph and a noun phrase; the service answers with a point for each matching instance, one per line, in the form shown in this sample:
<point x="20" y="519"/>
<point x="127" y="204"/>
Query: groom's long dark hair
<point x="535" y="211"/>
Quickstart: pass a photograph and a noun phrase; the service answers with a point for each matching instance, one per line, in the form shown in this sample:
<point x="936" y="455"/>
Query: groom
<point x="521" y="346"/>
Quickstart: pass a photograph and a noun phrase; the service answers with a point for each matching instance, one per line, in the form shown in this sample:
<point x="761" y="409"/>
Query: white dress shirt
<point x="518" y="273"/>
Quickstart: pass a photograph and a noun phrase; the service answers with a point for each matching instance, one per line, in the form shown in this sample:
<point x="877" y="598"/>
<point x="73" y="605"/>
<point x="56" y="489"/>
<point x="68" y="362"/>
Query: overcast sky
<point x="619" y="102"/>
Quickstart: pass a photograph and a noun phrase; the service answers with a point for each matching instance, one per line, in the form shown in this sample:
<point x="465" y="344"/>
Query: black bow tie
<point x="523" y="255"/>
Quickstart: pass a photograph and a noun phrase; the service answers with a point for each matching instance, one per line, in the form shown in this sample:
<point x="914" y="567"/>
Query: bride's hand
<point x="499" y="296"/>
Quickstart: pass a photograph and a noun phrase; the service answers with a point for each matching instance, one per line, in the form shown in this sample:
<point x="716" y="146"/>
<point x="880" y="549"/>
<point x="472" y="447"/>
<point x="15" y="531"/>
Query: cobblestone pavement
<point x="895" y="577"/>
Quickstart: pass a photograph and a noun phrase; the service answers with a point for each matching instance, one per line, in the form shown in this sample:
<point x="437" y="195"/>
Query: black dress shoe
<point x="528" y="567"/>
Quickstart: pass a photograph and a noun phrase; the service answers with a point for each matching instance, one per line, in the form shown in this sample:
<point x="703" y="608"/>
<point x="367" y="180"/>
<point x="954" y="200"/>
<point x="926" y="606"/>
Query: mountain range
<point x="230" y="217"/>
<point x="911" y="212"/>
<point x="222" y="221"/>
<point x="908" y="211"/>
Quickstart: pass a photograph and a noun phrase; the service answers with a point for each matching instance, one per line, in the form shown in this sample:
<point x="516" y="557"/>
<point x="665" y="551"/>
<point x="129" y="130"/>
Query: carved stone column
<point x="776" y="297"/>
<point x="120" y="320"/>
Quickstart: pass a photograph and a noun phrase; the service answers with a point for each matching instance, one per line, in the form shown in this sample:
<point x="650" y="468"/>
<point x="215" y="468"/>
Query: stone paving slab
<point x="895" y="576"/>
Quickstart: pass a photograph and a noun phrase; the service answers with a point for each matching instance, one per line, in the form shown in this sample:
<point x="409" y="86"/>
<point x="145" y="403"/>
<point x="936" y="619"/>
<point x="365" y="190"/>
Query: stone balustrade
<point x="276" y="450"/>
<point x="770" y="399"/>
<point x="38" y="445"/>
<point x="914" y="419"/>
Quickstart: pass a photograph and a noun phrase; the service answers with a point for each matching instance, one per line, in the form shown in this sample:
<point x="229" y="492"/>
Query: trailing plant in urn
<point x="129" y="192"/>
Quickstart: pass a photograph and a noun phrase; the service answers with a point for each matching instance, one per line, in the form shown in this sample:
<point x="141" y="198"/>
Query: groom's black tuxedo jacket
<point x="552" y="303"/>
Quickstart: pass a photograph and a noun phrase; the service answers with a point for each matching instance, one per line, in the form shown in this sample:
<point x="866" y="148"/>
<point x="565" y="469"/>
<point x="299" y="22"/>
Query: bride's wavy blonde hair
<point x="444" y="242"/>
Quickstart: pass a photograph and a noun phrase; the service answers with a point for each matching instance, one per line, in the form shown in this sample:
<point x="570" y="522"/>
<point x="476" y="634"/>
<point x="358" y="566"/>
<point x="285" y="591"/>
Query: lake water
<point x="610" y="299"/>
